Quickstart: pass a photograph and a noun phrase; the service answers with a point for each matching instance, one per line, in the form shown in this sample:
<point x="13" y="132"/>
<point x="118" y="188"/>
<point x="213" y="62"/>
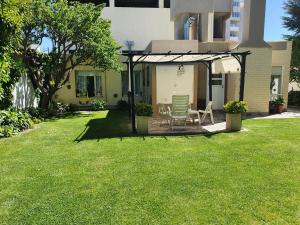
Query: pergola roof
<point x="207" y="58"/>
<point x="187" y="57"/>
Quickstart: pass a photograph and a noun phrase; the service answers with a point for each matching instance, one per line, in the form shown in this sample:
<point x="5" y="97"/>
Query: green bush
<point x="12" y="122"/>
<point x="98" y="104"/>
<point x="73" y="107"/>
<point x="38" y="113"/>
<point x="278" y="101"/>
<point x="236" y="107"/>
<point x="123" y="105"/>
<point x="143" y="109"/>
<point x="294" y="98"/>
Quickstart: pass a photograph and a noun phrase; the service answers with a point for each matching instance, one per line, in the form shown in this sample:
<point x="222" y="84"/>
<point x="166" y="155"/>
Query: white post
<point x="111" y="3"/>
<point x="161" y="4"/>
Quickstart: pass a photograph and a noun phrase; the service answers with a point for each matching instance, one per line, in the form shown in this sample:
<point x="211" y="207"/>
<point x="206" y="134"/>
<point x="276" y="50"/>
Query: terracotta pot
<point x="233" y="122"/>
<point x="279" y="108"/>
<point x="142" y="124"/>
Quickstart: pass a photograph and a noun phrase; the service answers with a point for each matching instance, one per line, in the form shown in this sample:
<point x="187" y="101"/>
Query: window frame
<point x="97" y="73"/>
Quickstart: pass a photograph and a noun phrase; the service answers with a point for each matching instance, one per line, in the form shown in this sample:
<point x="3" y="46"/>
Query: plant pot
<point x="142" y="124"/>
<point x="279" y="108"/>
<point x="233" y="122"/>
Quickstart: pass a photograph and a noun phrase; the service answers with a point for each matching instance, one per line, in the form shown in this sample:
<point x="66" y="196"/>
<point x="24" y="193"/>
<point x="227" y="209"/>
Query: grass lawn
<point x="77" y="170"/>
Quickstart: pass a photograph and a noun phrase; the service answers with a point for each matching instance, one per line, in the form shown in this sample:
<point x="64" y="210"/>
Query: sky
<point x="274" y="29"/>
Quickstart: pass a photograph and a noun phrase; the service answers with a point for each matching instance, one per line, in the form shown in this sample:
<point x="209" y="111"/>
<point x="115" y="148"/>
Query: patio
<point x="158" y="126"/>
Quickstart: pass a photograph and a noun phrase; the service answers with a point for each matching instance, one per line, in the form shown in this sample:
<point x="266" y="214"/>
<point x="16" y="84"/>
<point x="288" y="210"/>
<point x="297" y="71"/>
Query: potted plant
<point x="279" y="104"/>
<point x="234" y="110"/>
<point x="143" y="112"/>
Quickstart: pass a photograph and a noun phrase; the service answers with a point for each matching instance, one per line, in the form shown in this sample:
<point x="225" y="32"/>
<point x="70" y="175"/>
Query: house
<point x="190" y="26"/>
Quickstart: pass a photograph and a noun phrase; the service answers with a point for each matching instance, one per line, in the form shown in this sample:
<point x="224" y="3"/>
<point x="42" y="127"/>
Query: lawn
<point x="86" y="169"/>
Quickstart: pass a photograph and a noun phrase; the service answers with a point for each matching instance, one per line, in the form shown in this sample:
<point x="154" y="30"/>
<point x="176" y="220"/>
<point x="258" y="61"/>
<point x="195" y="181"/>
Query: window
<point x="167" y="4"/>
<point x="236" y="3"/>
<point x="88" y="84"/>
<point x="276" y="80"/>
<point x="137" y="3"/>
<point x="148" y="76"/>
<point x="236" y="14"/>
<point x="137" y="82"/>
<point x="125" y="83"/>
<point x="96" y="2"/>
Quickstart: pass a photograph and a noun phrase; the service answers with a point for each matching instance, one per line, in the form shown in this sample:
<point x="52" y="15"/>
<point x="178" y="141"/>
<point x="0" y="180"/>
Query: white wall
<point x="24" y="94"/>
<point x="141" y="25"/>
<point x="169" y="83"/>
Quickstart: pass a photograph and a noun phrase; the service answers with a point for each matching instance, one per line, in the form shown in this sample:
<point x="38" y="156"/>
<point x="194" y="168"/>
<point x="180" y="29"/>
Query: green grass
<point x="87" y="170"/>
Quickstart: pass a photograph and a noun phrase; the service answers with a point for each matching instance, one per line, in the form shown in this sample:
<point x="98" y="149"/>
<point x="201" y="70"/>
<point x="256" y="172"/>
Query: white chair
<point x="164" y="113"/>
<point x="207" y="111"/>
<point x="192" y="113"/>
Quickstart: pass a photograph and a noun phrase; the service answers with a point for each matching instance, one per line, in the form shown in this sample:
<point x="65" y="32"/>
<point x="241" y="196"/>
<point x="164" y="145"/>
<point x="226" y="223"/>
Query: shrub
<point x="278" y="101"/>
<point x="73" y="107"/>
<point x="98" y="104"/>
<point x="143" y="109"/>
<point x="236" y="107"/>
<point x="294" y="98"/>
<point x="58" y="108"/>
<point x="12" y="122"/>
<point x="123" y="105"/>
<point x="37" y="113"/>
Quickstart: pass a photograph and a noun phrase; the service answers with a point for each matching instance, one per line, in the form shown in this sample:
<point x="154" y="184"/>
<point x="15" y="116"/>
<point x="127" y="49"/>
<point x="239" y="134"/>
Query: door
<point x="218" y="91"/>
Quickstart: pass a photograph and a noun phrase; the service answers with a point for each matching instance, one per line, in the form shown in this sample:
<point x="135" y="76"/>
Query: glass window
<point x="276" y="80"/>
<point x="167" y="4"/>
<point x="125" y="83"/>
<point x="88" y="84"/>
<point x="148" y="76"/>
<point x="137" y="3"/>
<point x="137" y="82"/>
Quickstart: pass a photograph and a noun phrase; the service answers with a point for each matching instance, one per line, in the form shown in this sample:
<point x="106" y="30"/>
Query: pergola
<point x="206" y="58"/>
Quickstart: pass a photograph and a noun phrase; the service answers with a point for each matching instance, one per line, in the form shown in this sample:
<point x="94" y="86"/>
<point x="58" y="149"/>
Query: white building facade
<point x="234" y="26"/>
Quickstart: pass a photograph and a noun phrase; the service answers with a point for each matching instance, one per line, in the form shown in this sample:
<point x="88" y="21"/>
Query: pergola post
<point x="210" y="80"/>
<point x="243" y="74"/>
<point x="132" y="90"/>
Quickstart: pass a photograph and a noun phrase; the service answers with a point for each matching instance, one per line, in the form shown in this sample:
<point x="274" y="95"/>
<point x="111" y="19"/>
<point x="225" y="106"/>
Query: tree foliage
<point x="11" y="20"/>
<point x="292" y="22"/>
<point x="78" y="35"/>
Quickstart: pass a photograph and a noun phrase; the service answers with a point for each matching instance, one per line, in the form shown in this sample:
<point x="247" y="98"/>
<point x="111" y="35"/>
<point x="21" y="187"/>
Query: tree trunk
<point x="46" y="98"/>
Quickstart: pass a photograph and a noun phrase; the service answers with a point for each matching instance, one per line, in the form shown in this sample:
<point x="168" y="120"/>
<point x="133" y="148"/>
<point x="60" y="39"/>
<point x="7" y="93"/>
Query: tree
<point x="11" y="19"/>
<point x="292" y="23"/>
<point x="78" y="35"/>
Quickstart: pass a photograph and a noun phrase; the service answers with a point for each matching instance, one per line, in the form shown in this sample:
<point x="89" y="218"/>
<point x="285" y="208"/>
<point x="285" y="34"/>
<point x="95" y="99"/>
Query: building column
<point x="111" y="3"/>
<point x="161" y="4"/>
<point x="207" y="24"/>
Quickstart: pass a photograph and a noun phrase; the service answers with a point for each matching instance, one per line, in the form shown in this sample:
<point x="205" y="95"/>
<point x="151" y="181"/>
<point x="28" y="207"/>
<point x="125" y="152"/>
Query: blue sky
<point x="274" y="28"/>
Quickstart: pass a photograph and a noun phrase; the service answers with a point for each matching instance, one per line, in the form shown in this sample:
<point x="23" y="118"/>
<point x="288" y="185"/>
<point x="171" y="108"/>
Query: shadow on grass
<point x="116" y="124"/>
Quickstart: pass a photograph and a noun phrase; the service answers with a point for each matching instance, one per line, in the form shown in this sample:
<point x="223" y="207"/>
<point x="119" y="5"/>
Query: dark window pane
<point x="96" y="2"/>
<point x="215" y="76"/>
<point x="167" y="3"/>
<point x="216" y="82"/>
<point x="125" y="83"/>
<point x="137" y="3"/>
